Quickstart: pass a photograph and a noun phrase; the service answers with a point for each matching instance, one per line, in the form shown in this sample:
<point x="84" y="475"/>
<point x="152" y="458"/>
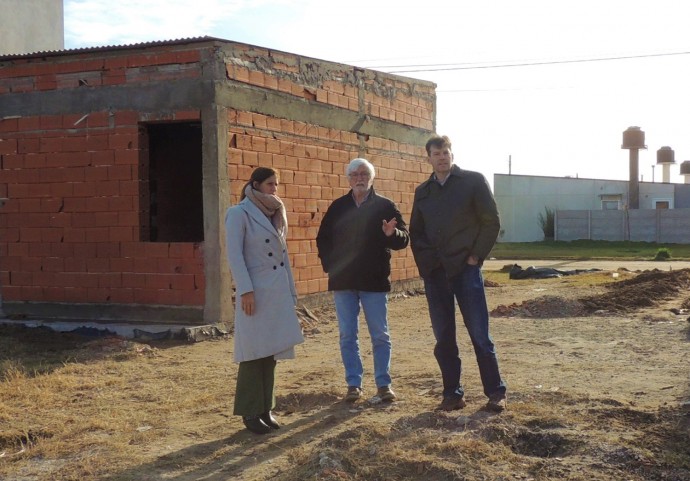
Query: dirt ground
<point x="598" y="373"/>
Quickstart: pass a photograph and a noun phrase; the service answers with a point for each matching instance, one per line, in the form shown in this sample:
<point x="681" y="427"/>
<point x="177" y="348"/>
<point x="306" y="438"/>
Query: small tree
<point x="662" y="254"/>
<point x="547" y="222"/>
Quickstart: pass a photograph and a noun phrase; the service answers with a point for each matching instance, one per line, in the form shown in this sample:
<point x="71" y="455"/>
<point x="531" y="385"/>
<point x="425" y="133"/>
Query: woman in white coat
<point x="266" y="325"/>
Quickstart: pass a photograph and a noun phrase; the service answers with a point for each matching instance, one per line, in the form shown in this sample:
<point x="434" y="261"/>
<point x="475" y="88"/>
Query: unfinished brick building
<point x="118" y="164"/>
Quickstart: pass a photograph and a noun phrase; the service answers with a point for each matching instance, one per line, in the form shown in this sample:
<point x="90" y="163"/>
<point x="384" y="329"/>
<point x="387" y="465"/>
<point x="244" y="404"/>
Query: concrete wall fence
<point x="644" y="225"/>
<point x="522" y="198"/>
<point x="119" y="163"/>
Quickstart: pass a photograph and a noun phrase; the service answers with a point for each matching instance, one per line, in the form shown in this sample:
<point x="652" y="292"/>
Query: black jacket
<point x="353" y="249"/>
<point x="451" y="222"/>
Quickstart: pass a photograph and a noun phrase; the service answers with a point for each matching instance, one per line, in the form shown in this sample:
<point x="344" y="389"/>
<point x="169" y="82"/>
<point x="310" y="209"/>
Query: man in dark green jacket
<point x="453" y="227"/>
<point x="354" y="242"/>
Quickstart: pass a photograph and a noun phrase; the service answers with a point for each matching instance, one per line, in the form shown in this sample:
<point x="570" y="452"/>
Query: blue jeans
<point x="375" y="305"/>
<point x="468" y="289"/>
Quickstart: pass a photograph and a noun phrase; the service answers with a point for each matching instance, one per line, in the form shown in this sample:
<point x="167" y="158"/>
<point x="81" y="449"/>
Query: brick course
<point x="308" y="184"/>
<point x="78" y="195"/>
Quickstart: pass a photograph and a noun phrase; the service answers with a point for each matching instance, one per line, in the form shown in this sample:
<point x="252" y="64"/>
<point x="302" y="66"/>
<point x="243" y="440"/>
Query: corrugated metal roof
<point x="50" y="53"/>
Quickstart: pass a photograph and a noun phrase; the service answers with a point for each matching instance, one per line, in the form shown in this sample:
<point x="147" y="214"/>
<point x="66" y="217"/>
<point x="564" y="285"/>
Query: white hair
<point x="356" y="163"/>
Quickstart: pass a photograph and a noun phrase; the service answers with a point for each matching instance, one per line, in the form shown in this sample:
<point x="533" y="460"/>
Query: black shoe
<point x="269" y="420"/>
<point x="255" y="424"/>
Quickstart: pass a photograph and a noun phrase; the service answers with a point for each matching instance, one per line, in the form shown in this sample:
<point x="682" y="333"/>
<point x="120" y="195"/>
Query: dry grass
<point x="86" y="401"/>
<point x="525" y="443"/>
<point x="74" y="408"/>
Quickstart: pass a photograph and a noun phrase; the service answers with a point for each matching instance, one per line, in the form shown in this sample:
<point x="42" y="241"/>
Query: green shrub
<point x="662" y="254"/>
<point x="546" y="222"/>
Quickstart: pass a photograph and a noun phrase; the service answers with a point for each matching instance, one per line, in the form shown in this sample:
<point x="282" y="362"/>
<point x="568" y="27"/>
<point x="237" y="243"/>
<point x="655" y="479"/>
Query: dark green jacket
<point x="453" y="221"/>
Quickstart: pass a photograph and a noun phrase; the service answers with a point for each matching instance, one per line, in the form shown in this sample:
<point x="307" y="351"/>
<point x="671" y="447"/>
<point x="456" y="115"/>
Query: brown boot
<point x="451" y="403"/>
<point x="497" y="402"/>
<point x="353" y="394"/>
<point x="386" y="394"/>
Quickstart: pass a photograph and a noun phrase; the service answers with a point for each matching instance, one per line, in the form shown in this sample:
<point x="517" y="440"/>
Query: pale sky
<point x="563" y="117"/>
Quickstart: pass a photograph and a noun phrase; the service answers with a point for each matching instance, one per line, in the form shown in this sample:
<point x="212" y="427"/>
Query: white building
<point x="522" y="198"/>
<point x="28" y="26"/>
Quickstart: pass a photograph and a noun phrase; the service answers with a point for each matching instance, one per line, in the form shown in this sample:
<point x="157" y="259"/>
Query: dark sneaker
<point x="497" y="402"/>
<point x="353" y="394"/>
<point x="386" y="394"/>
<point x="451" y="403"/>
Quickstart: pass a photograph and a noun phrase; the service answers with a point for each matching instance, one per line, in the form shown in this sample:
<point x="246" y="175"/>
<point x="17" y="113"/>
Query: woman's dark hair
<point x="259" y="175"/>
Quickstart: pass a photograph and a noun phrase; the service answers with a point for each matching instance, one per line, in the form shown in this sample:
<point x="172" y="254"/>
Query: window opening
<point x="611" y="201"/>
<point x="175" y="188"/>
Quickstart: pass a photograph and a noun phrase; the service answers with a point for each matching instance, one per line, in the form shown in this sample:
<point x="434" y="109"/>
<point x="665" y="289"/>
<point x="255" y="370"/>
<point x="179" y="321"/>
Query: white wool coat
<point x="259" y="262"/>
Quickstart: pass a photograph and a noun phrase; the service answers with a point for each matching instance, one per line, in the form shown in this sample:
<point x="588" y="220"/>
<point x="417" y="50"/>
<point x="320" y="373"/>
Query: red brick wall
<point x="406" y="104"/>
<point x="71" y="228"/>
<point x="74" y="71"/>
<point x="311" y="162"/>
<point x="311" y="159"/>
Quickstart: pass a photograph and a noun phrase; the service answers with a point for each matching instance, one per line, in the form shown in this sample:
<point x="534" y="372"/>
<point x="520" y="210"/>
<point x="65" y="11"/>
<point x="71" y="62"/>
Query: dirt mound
<point x="647" y="289"/>
<point x="542" y="308"/>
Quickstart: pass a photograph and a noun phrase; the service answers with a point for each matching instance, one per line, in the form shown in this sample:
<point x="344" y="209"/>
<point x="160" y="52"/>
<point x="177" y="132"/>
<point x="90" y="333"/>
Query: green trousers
<point x="254" y="393"/>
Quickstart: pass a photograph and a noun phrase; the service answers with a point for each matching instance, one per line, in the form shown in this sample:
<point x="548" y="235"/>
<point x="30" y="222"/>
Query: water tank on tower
<point x="633" y="138"/>
<point x="685" y="170"/>
<point x="665" y="157"/>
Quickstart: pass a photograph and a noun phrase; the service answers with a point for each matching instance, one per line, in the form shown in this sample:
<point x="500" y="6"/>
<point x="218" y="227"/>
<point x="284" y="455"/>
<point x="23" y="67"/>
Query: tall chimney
<point x="633" y="140"/>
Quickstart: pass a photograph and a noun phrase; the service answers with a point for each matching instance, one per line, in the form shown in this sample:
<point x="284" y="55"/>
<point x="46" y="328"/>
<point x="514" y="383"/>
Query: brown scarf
<point x="272" y="206"/>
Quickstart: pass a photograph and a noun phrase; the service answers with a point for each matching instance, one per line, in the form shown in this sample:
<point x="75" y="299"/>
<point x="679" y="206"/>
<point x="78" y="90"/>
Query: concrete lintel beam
<point x="168" y="96"/>
<point x="276" y="104"/>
